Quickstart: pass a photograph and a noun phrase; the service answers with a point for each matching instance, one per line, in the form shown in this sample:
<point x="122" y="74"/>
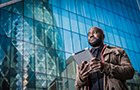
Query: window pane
<point x="134" y="42"/>
<point x="29" y="78"/>
<point x="93" y="12"/>
<point x="123" y="41"/>
<point x="129" y="41"/>
<point x="61" y="64"/>
<point x="65" y="20"/>
<point x="117" y="38"/>
<point x="100" y="15"/>
<point x="86" y="9"/>
<point x="16" y="54"/>
<point x="41" y="81"/>
<point x="47" y="16"/>
<point x="64" y="4"/>
<point x="16" y="79"/>
<point x="17" y="27"/>
<point x="84" y="42"/>
<point x="72" y="5"/>
<point x="108" y="4"/>
<point x="81" y="25"/>
<point x="51" y="61"/>
<point x="76" y="42"/>
<point x="28" y="8"/>
<point x="71" y="86"/>
<point x="68" y="41"/>
<point x="120" y="8"/>
<point x="114" y="7"/>
<point x="40" y="59"/>
<point x="106" y="17"/>
<point x="28" y="30"/>
<point x="5" y="23"/>
<point x="28" y="57"/>
<point x="88" y="24"/>
<point x="110" y="35"/>
<point x="79" y="7"/>
<point x="18" y="8"/>
<point x="56" y="17"/>
<point x="39" y="33"/>
<point x="49" y="36"/>
<point x="73" y="20"/>
<point x="38" y="10"/>
<point x="5" y="51"/>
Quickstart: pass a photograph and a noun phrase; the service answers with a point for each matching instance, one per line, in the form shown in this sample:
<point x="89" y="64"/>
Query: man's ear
<point x="103" y="36"/>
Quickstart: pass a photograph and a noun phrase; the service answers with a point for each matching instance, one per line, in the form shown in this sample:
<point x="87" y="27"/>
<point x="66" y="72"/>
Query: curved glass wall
<point x="38" y="36"/>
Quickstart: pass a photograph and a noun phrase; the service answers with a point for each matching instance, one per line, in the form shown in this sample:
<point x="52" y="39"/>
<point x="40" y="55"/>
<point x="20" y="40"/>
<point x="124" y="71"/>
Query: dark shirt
<point x="96" y="79"/>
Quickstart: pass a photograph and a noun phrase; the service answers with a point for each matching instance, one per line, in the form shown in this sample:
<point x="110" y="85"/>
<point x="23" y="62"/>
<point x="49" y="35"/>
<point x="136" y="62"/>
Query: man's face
<point x="95" y="37"/>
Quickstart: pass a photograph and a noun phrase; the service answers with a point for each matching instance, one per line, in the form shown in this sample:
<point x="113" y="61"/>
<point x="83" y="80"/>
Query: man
<point x="113" y="65"/>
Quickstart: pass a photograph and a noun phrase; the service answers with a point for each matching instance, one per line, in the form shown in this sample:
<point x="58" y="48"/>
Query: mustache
<point x="93" y="37"/>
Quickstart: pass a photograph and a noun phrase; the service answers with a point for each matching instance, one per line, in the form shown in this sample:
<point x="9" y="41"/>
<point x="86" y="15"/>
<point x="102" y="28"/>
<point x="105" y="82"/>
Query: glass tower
<point x="38" y="36"/>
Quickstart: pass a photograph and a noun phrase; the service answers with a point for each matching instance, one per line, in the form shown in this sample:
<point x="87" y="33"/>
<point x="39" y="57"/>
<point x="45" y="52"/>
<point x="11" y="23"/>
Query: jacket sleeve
<point x="122" y="71"/>
<point x="79" y="85"/>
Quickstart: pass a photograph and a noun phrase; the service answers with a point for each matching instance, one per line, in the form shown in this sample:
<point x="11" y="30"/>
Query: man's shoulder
<point x="115" y="49"/>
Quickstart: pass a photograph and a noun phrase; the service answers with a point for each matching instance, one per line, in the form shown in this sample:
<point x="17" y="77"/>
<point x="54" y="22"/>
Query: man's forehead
<point x="95" y="29"/>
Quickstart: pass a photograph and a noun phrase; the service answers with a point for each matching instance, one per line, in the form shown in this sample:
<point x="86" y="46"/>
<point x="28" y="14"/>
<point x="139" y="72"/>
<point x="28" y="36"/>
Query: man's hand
<point x="96" y="64"/>
<point x="82" y="71"/>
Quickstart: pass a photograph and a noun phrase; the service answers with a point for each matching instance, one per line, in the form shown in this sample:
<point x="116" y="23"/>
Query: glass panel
<point x="51" y="62"/>
<point x="134" y="42"/>
<point x="72" y="6"/>
<point x="76" y="42"/>
<point x="61" y="64"/>
<point x="5" y="23"/>
<point x="41" y="81"/>
<point x="15" y="79"/>
<point x="112" y="19"/>
<point x="29" y="58"/>
<point x="81" y="25"/>
<point x="4" y="51"/>
<point x="118" y="22"/>
<point x="39" y="33"/>
<point x="49" y="36"/>
<point x="86" y="9"/>
<point x="18" y="8"/>
<point x="135" y="28"/>
<point x="4" y="78"/>
<point x="95" y="23"/>
<point x="65" y="19"/>
<point x="28" y="80"/>
<point x="64" y="4"/>
<point x="79" y="7"/>
<point x="122" y="37"/>
<point x="3" y="1"/>
<point x="28" y="30"/>
<point x="130" y="13"/>
<point x="48" y="15"/>
<point x="125" y="10"/>
<point x="114" y="6"/>
<point x="56" y="17"/>
<point x="55" y="2"/>
<point x="8" y="8"/>
<point x="59" y="39"/>
<point x="88" y="24"/>
<point x="28" y="8"/>
<point x="100" y="15"/>
<point x="106" y="17"/>
<point x="110" y="35"/>
<point x="16" y="54"/>
<point x="108" y="4"/>
<point x="71" y="68"/>
<point x="51" y="82"/>
<point x="38" y="10"/>
<point x="84" y="41"/>
<point x="73" y="20"/>
<point x="117" y="38"/>
<point x="71" y="84"/>
<point x="119" y="5"/>
<point x="68" y="41"/>
<point x="40" y="64"/>
<point x="123" y="21"/>
<point x="17" y="27"/>
<point x="93" y="12"/>
<point x="129" y="41"/>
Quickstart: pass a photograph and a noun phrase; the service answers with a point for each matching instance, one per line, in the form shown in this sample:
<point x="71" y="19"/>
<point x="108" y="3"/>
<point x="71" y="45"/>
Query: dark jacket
<point x="117" y="69"/>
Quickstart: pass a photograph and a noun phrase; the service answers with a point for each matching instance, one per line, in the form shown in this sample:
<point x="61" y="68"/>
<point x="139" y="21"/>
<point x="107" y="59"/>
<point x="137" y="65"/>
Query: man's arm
<point x="123" y="71"/>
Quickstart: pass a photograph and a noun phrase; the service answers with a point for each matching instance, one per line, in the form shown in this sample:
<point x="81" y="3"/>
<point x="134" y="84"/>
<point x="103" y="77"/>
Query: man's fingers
<point x="78" y="68"/>
<point x="93" y="59"/>
<point x="86" y="66"/>
<point x="82" y="65"/>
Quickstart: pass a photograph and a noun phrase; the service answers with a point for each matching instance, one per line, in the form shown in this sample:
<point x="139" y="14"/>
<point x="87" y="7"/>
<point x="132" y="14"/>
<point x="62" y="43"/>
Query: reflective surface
<point x="37" y="37"/>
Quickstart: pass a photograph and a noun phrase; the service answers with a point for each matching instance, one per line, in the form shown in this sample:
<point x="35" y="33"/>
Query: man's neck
<point x="97" y="46"/>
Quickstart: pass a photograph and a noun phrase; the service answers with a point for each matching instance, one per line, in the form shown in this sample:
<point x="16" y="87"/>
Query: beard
<point x="97" y="42"/>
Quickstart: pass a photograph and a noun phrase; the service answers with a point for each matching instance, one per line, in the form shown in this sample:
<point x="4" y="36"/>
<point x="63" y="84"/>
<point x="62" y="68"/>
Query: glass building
<point x="38" y="36"/>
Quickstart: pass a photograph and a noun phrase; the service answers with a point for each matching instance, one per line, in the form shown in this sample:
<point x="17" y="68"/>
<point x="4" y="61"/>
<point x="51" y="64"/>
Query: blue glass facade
<point x="38" y="36"/>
